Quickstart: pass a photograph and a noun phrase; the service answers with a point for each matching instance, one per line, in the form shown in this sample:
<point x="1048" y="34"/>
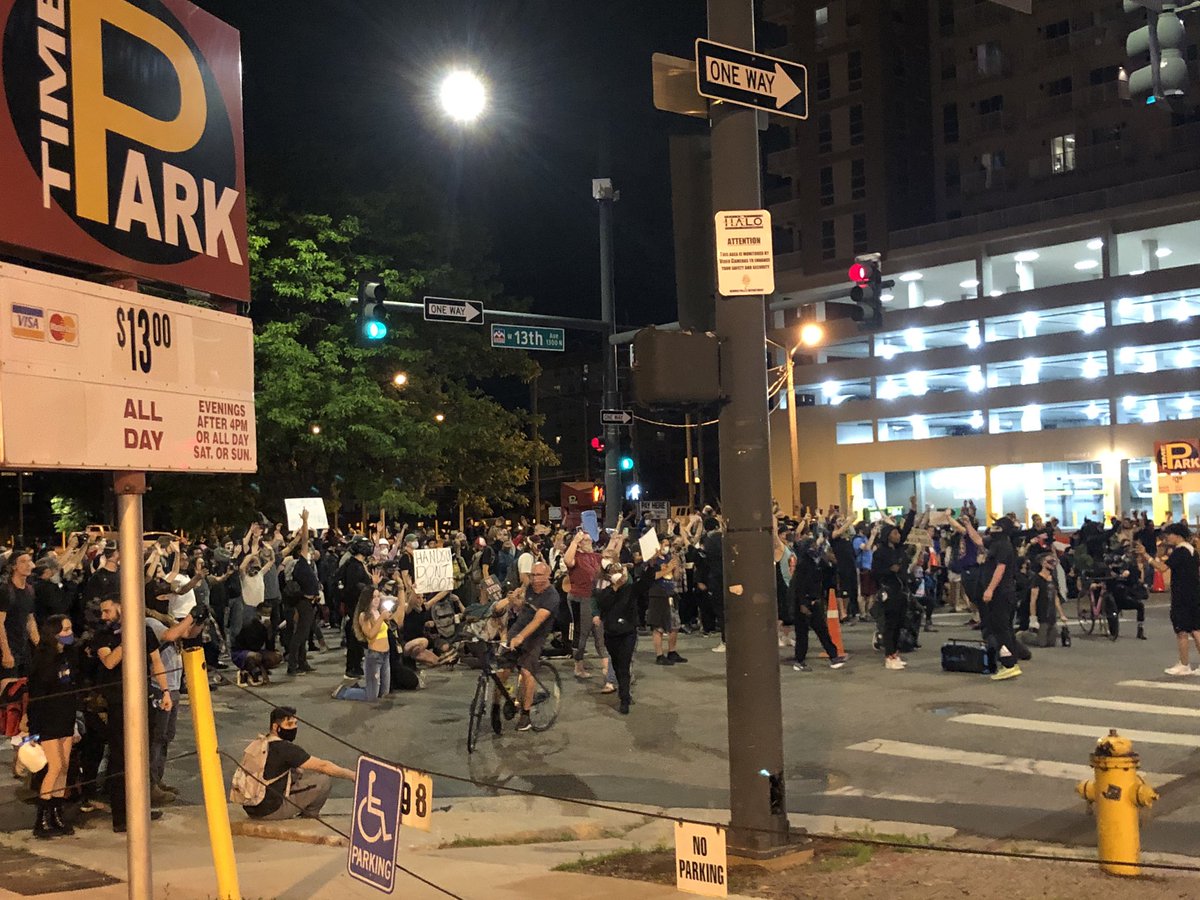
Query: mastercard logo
<point x="63" y="328"/>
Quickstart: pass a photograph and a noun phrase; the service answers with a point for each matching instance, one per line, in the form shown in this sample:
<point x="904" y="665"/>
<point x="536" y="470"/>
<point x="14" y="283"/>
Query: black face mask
<point x="287" y="734"/>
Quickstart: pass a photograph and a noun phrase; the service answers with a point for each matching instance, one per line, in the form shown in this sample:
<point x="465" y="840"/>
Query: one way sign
<point x="616" y="417"/>
<point x="447" y="309"/>
<point x="751" y="79"/>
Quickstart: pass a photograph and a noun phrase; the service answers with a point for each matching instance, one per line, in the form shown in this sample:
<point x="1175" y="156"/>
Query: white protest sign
<point x="434" y="570"/>
<point x="648" y="543"/>
<point x="700" y="864"/>
<point x="317" y="517"/>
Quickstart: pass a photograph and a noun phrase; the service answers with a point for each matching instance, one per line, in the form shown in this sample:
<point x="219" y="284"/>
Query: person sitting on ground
<point x="250" y="653"/>
<point x="298" y="783"/>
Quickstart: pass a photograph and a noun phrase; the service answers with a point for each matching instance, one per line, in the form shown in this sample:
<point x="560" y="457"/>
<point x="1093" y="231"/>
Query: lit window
<point x="1090" y="323"/>
<point x="887" y="351"/>
<point x="975" y="382"/>
<point x="973" y="339"/>
<point x="1031" y="418"/>
<point x="1092" y="368"/>
<point x="1029" y="370"/>
<point x="1029" y="324"/>
<point x="918" y="385"/>
<point x="1092" y="411"/>
<point x="915" y="338"/>
<point x="830" y="388"/>
<point x="889" y="390"/>
<point x="1062" y="154"/>
<point x="1150" y="412"/>
<point x="976" y="420"/>
<point x="920" y="428"/>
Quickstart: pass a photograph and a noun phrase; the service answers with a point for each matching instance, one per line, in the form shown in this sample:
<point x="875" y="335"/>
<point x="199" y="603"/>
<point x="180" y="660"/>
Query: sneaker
<point x="837" y="662"/>
<point x="582" y="674"/>
<point x="720" y="648"/>
<point x="801" y="667"/>
<point x="929" y="628"/>
<point x="1141" y="635"/>
<point x="524" y="723"/>
<point x="1005" y="674"/>
<point x="665" y="661"/>
<point x="159" y="797"/>
<point x="893" y="662"/>
<point x="1179" y="669"/>
<point x="496" y="718"/>
<point x="608" y="688"/>
<point x="675" y="657"/>
<point x="307" y="669"/>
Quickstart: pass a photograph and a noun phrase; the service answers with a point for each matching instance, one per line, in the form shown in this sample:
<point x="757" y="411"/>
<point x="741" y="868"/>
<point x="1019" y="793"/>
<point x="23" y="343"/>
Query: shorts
<point x="661" y="614"/>
<point x="530" y="653"/>
<point x="1185" y="617"/>
<point x="867" y="582"/>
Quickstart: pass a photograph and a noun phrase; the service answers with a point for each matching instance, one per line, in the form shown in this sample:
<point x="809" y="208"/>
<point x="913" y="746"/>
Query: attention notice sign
<point x="745" y="253"/>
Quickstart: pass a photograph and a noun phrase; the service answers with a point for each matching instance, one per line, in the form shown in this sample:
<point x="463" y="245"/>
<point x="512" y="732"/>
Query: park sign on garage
<point x="93" y="377"/>
<point x="121" y="140"/>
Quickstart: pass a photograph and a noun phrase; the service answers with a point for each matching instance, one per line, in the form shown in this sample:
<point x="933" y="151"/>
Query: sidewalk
<point x="499" y="848"/>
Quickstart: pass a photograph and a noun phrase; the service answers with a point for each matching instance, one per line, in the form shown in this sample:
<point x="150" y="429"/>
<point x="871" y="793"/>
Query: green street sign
<point x="527" y="337"/>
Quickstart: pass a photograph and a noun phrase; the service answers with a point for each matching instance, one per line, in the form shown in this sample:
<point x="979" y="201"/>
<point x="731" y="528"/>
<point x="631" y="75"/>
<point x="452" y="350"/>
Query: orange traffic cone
<point x="834" y="623"/>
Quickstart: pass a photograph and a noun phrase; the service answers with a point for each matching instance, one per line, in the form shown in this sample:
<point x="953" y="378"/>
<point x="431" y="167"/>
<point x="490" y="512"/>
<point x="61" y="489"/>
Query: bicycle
<point x="547" y="693"/>
<point x="1096" y="604"/>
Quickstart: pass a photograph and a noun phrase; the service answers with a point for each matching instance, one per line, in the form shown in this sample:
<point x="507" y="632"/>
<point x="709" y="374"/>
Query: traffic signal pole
<point x="758" y="817"/>
<point x="602" y="190"/>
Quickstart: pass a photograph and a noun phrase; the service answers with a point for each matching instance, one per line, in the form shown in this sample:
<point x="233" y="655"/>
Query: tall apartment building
<point x="1043" y="332"/>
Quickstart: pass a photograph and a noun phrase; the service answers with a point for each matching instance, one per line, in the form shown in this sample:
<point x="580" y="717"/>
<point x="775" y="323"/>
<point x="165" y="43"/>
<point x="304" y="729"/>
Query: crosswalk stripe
<point x="1151" y="709"/>
<point x="997" y="762"/>
<point x="1161" y="685"/>
<point x="850" y="791"/>
<point x="1069" y="728"/>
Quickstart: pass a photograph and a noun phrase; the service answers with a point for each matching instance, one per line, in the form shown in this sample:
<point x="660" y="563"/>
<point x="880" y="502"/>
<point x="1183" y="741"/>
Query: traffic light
<point x="598" y="447"/>
<point x="626" y="464"/>
<point x="867" y="294"/>
<point x="372" y="321"/>
<point x="1163" y="40"/>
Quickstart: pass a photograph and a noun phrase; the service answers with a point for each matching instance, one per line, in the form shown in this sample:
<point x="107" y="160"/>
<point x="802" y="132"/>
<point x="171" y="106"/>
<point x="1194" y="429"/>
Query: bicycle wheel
<point x="547" y="694"/>
<point x="1087" y="615"/>
<point x="475" y="717"/>
<point x="1112" y="616"/>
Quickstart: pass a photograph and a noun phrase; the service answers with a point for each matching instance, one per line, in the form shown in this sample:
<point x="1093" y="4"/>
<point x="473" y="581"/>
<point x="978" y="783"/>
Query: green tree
<point x="70" y="514"/>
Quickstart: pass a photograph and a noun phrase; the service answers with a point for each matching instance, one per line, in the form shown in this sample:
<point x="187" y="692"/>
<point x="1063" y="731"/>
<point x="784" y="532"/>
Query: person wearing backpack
<point x="278" y="779"/>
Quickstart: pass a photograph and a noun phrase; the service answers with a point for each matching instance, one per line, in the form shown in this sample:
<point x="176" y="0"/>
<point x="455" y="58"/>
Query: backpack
<point x="444" y="615"/>
<point x="249" y="786"/>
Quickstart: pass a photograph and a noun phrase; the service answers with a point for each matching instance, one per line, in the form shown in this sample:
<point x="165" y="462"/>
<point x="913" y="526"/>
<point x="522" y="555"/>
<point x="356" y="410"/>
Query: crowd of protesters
<point x="259" y="602"/>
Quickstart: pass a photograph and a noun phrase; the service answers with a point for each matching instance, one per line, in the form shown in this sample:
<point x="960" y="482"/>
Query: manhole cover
<point x="31" y="875"/>
<point x="957" y="709"/>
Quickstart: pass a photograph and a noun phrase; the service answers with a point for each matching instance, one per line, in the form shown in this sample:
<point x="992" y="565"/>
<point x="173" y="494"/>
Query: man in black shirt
<point x="353" y="578"/>
<point x="297" y="782"/>
<point x="1185" y="592"/>
<point x="106" y="644"/>
<point x="18" y="630"/>
<point x="999" y="597"/>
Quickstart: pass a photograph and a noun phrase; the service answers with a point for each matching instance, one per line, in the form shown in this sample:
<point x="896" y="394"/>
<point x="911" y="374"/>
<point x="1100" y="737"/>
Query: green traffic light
<point x="375" y="330"/>
<point x="626" y="463"/>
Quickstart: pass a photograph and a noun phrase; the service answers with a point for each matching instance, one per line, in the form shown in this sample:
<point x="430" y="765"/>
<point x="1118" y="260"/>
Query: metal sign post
<point x="129" y="488"/>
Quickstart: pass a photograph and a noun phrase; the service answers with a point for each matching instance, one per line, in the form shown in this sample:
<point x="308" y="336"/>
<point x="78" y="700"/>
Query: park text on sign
<point x="700" y="863"/>
<point x="92" y="377"/>
<point x="375" y="823"/>
<point x="1177" y="456"/>
<point x="121" y="139"/>
<point x="745" y="254"/>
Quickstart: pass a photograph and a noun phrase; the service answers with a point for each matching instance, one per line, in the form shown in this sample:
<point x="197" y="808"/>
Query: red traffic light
<point x="859" y="273"/>
<point x="598" y="444"/>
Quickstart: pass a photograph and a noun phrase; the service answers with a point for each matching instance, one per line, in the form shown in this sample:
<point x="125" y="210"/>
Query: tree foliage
<point x="331" y="422"/>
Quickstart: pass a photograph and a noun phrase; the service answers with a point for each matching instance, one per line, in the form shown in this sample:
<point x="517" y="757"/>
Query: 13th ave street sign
<point x="447" y="309"/>
<point x="751" y="79"/>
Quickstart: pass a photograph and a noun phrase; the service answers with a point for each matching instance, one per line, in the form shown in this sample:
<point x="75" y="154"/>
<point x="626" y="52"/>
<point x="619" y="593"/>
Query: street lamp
<point x="315" y="429"/>
<point x="439" y="418"/>
<point x="811" y="334"/>
<point x="400" y="379"/>
<point x="463" y="96"/>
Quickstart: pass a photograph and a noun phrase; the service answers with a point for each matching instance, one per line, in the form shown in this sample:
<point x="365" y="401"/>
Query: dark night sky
<point x="344" y="90"/>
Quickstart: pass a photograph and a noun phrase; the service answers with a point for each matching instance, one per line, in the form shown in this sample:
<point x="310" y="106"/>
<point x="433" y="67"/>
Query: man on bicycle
<point x="533" y="613"/>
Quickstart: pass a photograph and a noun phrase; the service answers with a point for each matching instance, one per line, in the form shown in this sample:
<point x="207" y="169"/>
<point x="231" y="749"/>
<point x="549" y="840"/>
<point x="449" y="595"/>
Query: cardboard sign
<point x="317" y="516"/>
<point x="700" y="863"/>
<point x="121" y="139"/>
<point x="416" y="800"/>
<point x="433" y="570"/>
<point x="649" y="543"/>
<point x="590" y="524"/>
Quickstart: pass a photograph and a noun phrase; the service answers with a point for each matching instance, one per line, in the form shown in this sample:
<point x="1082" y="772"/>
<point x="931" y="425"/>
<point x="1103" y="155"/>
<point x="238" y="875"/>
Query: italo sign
<point x="1178" y="457"/>
<point x="121" y="139"/>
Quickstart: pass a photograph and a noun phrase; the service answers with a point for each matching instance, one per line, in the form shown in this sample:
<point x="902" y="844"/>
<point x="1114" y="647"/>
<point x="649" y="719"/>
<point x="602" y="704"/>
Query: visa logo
<point x="27" y="322"/>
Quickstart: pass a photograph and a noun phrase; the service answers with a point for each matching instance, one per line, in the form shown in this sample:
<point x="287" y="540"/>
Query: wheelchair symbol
<point x="369" y="805"/>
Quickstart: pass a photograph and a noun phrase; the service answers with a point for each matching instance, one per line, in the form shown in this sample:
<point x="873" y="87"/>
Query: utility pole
<point x="606" y="196"/>
<point x="534" y="428"/>
<point x="793" y="445"/>
<point x="758" y="815"/>
<point x="689" y="470"/>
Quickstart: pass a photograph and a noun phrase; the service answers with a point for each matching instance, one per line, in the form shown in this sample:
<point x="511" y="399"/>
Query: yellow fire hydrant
<point x="1115" y="795"/>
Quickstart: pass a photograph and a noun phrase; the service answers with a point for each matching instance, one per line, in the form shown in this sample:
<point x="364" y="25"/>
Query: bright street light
<point x="316" y="429"/>
<point x="463" y="96"/>
<point x="400" y="379"/>
<point x="439" y="418"/>
<point x="811" y="334"/>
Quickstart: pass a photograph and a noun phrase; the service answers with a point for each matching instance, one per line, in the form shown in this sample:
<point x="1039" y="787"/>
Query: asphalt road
<point x="999" y="760"/>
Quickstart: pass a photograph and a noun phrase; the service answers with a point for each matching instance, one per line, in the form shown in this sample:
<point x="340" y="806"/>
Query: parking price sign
<point x="375" y="825"/>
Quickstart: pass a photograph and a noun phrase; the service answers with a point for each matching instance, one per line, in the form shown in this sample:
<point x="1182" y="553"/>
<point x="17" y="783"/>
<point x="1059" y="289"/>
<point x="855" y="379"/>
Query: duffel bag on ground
<point x="967" y="656"/>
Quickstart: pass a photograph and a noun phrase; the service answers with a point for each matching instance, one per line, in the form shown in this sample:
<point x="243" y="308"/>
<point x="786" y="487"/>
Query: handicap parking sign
<point x="375" y="826"/>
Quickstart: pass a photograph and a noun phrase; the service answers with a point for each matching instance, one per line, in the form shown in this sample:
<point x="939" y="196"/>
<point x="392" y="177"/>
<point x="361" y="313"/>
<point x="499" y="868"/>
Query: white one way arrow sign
<point x="776" y="85"/>
<point x="447" y="309"/>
